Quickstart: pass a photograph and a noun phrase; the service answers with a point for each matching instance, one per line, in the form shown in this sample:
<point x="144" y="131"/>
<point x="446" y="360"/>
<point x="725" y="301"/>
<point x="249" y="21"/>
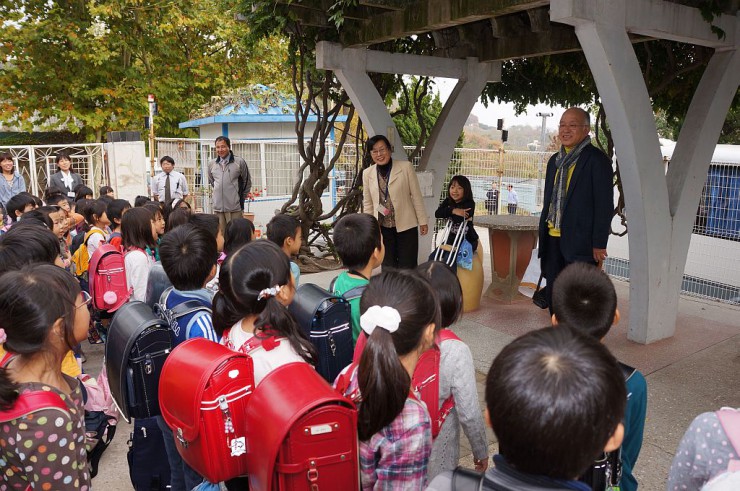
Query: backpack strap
<point x="30" y="402"/>
<point x="268" y="343"/>
<point x="467" y="480"/>
<point x="730" y="421"/>
<point x="331" y="284"/>
<point x="354" y="293"/>
<point x="344" y="380"/>
<point x="627" y="370"/>
<point x="449" y="403"/>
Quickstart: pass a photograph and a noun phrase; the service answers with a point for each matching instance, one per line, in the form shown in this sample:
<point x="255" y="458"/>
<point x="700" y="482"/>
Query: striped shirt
<point x="396" y="457"/>
<point x="197" y="325"/>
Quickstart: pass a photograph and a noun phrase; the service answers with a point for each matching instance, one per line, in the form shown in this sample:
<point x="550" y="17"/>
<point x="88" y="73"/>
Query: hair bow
<point x="386" y="317"/>
<point x="3" y="336"/>
<point x="269" y="292"/>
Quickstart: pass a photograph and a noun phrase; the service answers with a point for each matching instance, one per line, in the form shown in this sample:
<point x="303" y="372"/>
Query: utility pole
<point x="543" y="135"/>
<point x="152" y="113"/>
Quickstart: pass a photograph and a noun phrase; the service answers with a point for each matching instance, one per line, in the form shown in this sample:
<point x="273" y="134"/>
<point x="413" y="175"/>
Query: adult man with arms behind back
<point x="579" y="200"/>
<point x="231" y="181"/>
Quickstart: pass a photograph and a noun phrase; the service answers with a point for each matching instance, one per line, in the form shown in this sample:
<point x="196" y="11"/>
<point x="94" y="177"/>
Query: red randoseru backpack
<point x="302" y="434"/>
<point x="107" y="276"/>
<point x="426" y="382"/>
<point x="203" y="393"/>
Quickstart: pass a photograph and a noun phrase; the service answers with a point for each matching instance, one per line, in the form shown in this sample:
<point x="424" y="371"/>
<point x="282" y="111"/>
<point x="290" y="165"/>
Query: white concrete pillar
<point x="659" y="229"/>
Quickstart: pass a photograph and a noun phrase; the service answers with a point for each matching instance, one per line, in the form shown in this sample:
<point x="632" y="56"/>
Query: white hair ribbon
<point x="387" y="318"/>
<point x="269" y="292"/>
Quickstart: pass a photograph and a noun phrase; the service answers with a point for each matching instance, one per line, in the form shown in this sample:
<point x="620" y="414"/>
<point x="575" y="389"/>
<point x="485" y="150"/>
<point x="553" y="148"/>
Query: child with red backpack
<point x="96" y="234"/>
<point x="137" y="229"/>
<point x="456" y="403"/>
<point x="115" y="211"/>
<point x="43" y="313"/>
<point x="249" y="312"/>
<point x="400" y="315"/>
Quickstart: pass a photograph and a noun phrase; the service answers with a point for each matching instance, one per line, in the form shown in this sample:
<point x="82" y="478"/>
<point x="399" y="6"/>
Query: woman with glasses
<point x="391" y="193"/>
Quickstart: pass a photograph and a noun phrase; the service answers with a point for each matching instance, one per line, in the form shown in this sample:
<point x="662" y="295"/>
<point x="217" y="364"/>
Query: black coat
<point x="589" y="207"/>
<point x="55" y="180"/>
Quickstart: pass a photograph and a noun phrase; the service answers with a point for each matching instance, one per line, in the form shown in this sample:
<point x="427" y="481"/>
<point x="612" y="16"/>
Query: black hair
<point x="224" y="139"/>
<point x="63" y="155"/>
<point x="464" y="183"/>
<point x="356" y="236"/>
<point x="583" y="296"/>
<point x="136" y="229"/>
<point x="42" y="214"/>
<point x="81" y="191"/>
<point x="176" y="218"/>
<point x="370" y="143"/>
<point x="53" y="196"/>
<point x="104" y="190"/>
<point x="115" y="210"/>
<point x="154" y="208"/>
<point x="27" y="242"/>
<point x="105" y="199"/>
<point x="7" y="156"/>
<point x="167" y="158"/>
<point x="282" y="227"/>
<point x="32" y="300"/>
<point x="140" y="201"/>
<point x="245" y="273"/>
<point x="554" y="397"/>
<point x="205" y="221"/>
<point x="172" y="205"/>
<point x="445" y="283"/>
<point x="383" y="381"/>
<point x="188" y="255"/>
<point x="19" y="202"/>
<point x="238" y="232"/>
<point x="93" y="211"/>
<point x="81" y="207"/>
<point x="36" y="200"/>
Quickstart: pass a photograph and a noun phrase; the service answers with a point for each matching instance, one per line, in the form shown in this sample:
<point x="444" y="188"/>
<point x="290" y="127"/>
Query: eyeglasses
<point x="86" y="298"/>
<point x="380" y="151"/>
<point x="571" y="126"/>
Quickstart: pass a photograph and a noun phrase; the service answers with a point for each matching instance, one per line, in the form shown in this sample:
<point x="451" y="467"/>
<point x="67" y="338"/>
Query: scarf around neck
<point x="564" y="161"/>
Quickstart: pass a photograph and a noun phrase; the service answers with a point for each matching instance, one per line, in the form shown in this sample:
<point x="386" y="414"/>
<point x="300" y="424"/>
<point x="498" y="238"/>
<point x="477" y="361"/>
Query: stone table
<point x="512" y="238"/>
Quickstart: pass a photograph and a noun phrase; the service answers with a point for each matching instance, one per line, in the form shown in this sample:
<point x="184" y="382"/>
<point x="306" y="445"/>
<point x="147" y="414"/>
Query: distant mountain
<point x="521" y="137"/>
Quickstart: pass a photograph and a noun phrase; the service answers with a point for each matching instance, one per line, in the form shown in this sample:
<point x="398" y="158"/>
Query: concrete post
<point x="659" y="228"/>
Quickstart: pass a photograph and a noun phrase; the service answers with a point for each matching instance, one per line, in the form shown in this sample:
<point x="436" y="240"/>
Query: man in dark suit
<point x="579" y="200"/>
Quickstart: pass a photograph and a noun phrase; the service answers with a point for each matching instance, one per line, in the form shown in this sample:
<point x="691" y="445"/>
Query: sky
<point x="489" y="115"/>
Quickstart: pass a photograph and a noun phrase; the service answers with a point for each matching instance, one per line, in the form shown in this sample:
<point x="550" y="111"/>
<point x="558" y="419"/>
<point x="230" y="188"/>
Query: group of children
<point x="556" y="398"/>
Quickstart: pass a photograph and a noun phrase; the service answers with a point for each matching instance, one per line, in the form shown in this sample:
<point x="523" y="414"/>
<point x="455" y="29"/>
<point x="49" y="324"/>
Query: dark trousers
<point x="554" y="263"/>
<point x="182" y="476"/>
<point x="512" y="208"/>
<point x="401" y="248"/>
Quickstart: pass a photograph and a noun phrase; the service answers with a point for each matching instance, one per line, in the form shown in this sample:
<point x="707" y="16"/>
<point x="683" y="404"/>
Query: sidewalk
<point x="697" y="370"/>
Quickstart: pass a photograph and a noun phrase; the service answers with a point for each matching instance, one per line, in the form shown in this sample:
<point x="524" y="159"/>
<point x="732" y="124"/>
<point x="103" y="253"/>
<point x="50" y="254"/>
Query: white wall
<point x="127" y="165"/>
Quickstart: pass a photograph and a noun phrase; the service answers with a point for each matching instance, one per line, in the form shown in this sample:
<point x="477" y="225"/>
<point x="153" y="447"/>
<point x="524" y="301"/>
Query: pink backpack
<point x="107" y="275"/>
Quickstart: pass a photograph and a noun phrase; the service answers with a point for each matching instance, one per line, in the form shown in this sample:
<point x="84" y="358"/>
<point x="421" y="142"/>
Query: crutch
<point x="451" y="249"/>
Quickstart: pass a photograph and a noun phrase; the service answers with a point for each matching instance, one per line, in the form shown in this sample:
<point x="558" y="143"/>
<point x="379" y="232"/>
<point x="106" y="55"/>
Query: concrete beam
<point x="655" y="18"/>
<point x="430" y="15"/>
<point x="331" y="56"/>
<point x="558" y="39"/>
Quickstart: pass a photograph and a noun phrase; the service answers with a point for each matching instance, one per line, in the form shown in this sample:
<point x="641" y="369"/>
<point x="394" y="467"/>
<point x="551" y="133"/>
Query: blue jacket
<point x="197" y="325"/>
<point x="634" y="427"/>
<point x="8" y="190"/>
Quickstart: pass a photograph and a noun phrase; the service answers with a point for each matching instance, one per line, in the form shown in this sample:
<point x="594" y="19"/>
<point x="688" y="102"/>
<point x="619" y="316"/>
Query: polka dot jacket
<point x="46" y="449"/>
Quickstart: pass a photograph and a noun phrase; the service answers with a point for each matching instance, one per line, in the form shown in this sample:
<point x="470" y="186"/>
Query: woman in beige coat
<point x="391" y="193"/>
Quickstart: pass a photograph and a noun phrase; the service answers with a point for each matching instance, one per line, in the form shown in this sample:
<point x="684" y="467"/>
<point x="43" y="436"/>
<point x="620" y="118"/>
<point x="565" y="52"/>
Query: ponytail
<point x="245" y="274"/>
<point x="384" y="384"/>
<point x="383" y="381"/>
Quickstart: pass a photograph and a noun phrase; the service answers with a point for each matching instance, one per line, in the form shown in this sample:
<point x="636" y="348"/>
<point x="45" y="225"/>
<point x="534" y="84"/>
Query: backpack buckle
<point x="313" y="476"/>
<point x="181" y="439"/>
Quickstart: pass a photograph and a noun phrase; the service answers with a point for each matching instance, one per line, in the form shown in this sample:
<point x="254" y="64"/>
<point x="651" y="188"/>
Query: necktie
<point x="167" y="192"/>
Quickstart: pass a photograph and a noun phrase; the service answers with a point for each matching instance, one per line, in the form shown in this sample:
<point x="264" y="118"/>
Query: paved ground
<point x="695" y="371"/>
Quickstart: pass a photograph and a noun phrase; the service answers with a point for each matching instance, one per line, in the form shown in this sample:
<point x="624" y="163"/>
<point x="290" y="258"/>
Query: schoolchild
<point x="285" y="231"/>
<point x="400" y="315"/>
<point x="43" y="314"/>
<point x="359" y="244"/>
<point x="98" y="220"/>
<point x="83" y="192"/>
<point x="456" y="379"/>
<point x="459" y="206"/>
<point x="159" y="226"/>
<point x="209" y="223"/>
<point x="18" y="205"/>
<point x="138" y="229"/>
<point x="174" y="204"/>
<point x="239" y="231"/>
<point x="107" y="191"/>
<point x="555" y="399"/>
<point x="255" y="287"/>
<point x="176" y="218"/>
<point x="115" y="211"/>
<point x="189" y="259"/>
<point x="583" y="296"/>
<point x="141" y="201"/>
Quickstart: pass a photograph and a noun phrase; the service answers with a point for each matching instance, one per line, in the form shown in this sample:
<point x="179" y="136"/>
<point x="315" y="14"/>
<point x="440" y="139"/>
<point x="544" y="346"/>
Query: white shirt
<point x="178" y="185"/>
<point x="264" y="361"/>
<point x="513" y="198"/>
<point x="138" y="265"/>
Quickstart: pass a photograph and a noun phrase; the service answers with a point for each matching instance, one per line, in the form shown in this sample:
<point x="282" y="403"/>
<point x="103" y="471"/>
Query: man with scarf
<point x="579" y="200"/>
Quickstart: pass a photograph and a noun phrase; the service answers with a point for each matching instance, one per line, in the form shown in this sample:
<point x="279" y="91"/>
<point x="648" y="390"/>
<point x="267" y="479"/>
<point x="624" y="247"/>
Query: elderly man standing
<point x="579" y="200"/>
<point x="229" y="176"/>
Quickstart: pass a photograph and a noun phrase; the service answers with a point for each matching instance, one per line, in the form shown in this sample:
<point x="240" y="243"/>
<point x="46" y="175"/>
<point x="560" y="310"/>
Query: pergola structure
<point x="472" y="37"/>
